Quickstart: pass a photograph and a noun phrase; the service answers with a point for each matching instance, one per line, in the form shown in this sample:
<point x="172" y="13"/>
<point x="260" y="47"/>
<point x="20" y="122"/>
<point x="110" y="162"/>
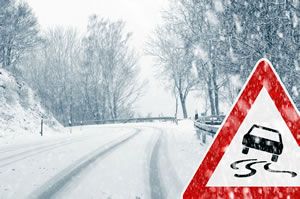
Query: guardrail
<point x="204" y="129"/>
<point x="207" y="127"/>
<point x="127" y="120"/>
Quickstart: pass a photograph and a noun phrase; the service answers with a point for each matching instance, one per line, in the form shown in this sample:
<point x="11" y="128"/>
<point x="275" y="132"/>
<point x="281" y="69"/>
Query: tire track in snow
<point x="171" y="180"/>
<point x="164" y="181"/>
<point x="36" y="151"/>
<point x="55" y="185"/>
<point x="156" y="186"/>
<point x="36" y="144"/>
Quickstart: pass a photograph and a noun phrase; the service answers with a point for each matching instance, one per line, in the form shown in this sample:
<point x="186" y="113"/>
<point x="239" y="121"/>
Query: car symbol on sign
<point x="264" y="139"/>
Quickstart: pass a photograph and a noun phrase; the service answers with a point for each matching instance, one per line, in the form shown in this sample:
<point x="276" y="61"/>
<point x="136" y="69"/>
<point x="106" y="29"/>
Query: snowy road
<point x="109" y="161"/>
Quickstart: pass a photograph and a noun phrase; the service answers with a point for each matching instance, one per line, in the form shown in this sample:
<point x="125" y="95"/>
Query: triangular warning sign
<point x="256" y="152"/>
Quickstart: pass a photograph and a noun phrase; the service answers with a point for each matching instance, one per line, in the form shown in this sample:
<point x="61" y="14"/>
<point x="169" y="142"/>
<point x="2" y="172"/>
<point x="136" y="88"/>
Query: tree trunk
<point x="176" y="106"/>
<point x="8" y="58"/>
<point x="183" y="105"/>
<point x="210" y="95"/>
<point x="216" y="90"/>
<point x="115" y="107"/>
<point x="217" y="110"/>
<point x="176" y="102"/>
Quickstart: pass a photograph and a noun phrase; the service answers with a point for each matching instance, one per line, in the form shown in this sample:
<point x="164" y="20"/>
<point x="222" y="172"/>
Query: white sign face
<point x="263" y="152"/>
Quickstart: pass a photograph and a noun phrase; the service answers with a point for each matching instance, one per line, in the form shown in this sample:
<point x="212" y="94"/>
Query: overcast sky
<point x="141" y="17"/>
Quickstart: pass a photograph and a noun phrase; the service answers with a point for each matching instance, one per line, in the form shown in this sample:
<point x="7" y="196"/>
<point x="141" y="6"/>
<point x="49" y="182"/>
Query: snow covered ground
<point x="144" y="160"/>
<point x="21" y="110"/>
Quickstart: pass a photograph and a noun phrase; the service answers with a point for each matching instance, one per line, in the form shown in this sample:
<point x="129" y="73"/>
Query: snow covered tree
<point x="52" y="69"/>
<point x="110" y="69"/>
<point x="201" y="19"/>
<point x="270" y="29"/>
<point x="18" y="31"/>
<point x="85" y="78"/>
<point x="228" y="38"/>
<point x="196" y="23"/>
<point x="174" y="57"/>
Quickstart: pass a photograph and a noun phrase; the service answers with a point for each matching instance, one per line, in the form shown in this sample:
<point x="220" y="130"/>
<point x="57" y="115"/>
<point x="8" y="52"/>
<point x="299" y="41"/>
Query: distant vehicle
<point x="264" y="139"/>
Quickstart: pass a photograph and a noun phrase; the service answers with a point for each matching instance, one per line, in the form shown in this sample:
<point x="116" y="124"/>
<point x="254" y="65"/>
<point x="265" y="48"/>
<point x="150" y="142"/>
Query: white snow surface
<point x="143" y="160"/>
<point x="20" y="109"/>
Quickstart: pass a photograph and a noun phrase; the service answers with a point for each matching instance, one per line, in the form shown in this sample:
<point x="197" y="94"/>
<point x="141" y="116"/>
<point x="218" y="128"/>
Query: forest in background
<point x="212" y="46"/>
<point x="78" y="77"/>
<point x="202" y="45"/>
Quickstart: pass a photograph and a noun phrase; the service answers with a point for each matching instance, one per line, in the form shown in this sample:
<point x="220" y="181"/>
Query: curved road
<point x="99" y="162"/>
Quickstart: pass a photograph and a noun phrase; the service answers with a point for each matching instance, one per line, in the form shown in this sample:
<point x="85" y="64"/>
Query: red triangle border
<point x="263" y="75"/>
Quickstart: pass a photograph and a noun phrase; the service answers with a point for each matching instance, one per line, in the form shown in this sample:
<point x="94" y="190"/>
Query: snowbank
<point x="20" y="109"/>
<point x="185" y="151"/>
